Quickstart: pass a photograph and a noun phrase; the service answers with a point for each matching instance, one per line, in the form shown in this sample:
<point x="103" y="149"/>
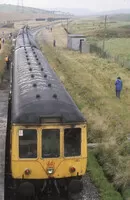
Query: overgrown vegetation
<point x="4" y="52"/>
<point x="90" y="81"/>
<point x="107" y="191"/>
<point x="118" y="47"/>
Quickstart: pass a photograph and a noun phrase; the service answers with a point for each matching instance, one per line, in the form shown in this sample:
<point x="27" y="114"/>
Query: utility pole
<point x="67" y="24"/>
<point x="105" y="28"/>
<point x="20" y="5"/>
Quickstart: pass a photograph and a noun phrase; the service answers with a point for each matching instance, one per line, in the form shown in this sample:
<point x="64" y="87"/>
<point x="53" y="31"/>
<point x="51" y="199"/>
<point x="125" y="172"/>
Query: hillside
<point x="116" y="12"/>
<point x="90" y="81"/>
<point x="120" y="17"/>
<point x="13" y="8"/>
<point x="14" y="13"/>
<point x="117" y="17"/>
<point x="78" y="11"/>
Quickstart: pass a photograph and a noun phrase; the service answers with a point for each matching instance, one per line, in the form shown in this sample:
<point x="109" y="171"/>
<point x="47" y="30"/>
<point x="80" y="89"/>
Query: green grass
<point x="126" y="193"/>
<point x="94" y="29"/>
<point x="106" y="189"/>
<point x="90" y="81"/>
<point x="118" y="47"/>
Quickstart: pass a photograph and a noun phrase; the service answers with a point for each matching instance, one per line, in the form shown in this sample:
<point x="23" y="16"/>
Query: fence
<point x="94" y="48"/>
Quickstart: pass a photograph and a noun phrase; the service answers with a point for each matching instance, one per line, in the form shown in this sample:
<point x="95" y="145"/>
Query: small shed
<point x="75" y="41"/>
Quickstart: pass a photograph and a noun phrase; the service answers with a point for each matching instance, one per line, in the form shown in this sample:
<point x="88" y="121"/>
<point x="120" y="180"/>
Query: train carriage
<point x="46" y="144"/>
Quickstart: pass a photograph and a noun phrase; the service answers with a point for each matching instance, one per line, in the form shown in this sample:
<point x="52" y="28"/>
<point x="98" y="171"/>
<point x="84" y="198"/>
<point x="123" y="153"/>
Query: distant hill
<point x="120" y="17"/>
<point x="117" y="17"/>
<point x="77" y="11"/>
<point x="13" y="8"/>
<point x="87" y="12"/>
<point x="14" y="13"/>
<point x="115" y="12"/>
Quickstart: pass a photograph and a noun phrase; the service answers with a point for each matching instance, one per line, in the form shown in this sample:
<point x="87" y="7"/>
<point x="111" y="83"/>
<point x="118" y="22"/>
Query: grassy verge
<point x="5" y="51"/>
<point x="118" y="47"/>
<point x="106" y="189"/>
<point x="126" y="193"/>
<point x="90" y="81"/>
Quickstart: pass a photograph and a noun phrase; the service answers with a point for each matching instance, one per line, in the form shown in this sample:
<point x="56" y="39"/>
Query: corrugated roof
<point x="76" y="35"/>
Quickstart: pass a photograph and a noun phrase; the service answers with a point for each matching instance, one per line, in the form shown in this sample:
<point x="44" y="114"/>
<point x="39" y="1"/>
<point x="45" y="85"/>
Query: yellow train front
<point x="46" y="144"/>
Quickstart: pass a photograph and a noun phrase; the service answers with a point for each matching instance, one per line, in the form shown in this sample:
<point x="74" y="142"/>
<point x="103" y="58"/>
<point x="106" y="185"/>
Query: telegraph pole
<point x="67" y="21"/>
<point x="105" y="28"/>
<point x="67" y="24"/>
<point x="20" y="5"/>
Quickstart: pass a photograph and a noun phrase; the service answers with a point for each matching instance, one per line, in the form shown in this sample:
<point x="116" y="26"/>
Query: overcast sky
<point x="96" y="5"/>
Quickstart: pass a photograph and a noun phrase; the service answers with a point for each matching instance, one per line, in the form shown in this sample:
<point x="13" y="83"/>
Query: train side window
<point x="50" y="143"/>
<point x="28" y="143"/>
<point x="72" y="142"/>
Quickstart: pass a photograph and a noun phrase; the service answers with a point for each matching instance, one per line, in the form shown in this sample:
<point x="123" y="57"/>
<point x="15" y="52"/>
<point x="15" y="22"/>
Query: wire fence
<point x="94" y="48"/>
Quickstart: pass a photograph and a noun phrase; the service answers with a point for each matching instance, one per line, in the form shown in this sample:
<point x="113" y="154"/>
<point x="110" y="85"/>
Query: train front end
<point x="50" y="157"/>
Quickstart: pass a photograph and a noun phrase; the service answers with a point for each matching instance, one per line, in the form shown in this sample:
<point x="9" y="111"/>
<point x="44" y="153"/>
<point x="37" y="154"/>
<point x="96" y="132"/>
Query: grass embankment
<point x="90" y="81"/>
<point x="4" y="52"/>
<point x="106" y="189"/>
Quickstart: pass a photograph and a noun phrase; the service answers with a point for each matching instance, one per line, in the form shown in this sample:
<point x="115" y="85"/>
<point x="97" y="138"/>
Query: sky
<point x="94" y="5"/>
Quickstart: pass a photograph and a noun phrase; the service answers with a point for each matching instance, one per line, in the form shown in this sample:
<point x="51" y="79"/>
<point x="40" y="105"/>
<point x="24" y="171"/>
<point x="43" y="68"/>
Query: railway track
<point x="89" y="192"/>
<point x="4" y="90"/>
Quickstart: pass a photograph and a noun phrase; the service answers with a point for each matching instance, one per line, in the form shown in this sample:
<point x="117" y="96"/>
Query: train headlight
<point x="72" y="169"/>
<point x="27" y="171"/>
<point x="50" y="170"/>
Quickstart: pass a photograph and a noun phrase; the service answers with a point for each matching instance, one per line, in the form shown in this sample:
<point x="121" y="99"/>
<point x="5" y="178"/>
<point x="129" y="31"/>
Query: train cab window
<point x="50" y="143"/>
<point x="28" y="143"/>
<point x="72" y="142"/>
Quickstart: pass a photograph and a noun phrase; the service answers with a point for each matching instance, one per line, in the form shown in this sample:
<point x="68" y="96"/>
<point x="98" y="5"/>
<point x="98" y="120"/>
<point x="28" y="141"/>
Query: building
<point x="76" y="42"/>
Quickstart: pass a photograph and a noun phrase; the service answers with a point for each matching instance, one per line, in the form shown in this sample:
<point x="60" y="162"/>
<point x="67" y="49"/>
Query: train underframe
<point x="41" y="189"/>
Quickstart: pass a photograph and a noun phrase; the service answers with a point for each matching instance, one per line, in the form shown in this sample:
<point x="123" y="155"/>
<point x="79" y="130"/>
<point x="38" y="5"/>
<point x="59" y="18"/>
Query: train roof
<point x="37" y="92"/>
<point x="25" y="39"/>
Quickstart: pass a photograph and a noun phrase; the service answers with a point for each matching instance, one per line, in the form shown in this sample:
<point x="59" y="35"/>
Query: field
<point x="12" y="13"/>
<point x="117" y="35"/>
<point x="118" y="47"/>
<point x="90" y="81"/>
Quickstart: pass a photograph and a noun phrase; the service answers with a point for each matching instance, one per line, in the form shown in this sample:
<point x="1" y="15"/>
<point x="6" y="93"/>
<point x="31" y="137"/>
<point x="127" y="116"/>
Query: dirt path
<point x="59" y="36"/>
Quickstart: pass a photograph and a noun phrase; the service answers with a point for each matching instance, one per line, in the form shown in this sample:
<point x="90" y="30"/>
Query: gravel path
<point x="89" y="192"/>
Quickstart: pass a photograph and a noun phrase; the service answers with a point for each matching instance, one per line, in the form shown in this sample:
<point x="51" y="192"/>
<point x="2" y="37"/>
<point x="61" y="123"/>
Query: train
<point x="46" y="139"/>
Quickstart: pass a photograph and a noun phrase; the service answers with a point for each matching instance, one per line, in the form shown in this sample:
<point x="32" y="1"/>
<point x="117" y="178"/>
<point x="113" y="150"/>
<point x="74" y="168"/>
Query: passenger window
<point x="28" y="143"/>
<point x="50" y="143"/>
<point x="72" y="142"/>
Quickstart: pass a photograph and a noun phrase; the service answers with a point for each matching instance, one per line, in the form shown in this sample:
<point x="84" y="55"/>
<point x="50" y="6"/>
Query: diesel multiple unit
<point x="46" y="142"/>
